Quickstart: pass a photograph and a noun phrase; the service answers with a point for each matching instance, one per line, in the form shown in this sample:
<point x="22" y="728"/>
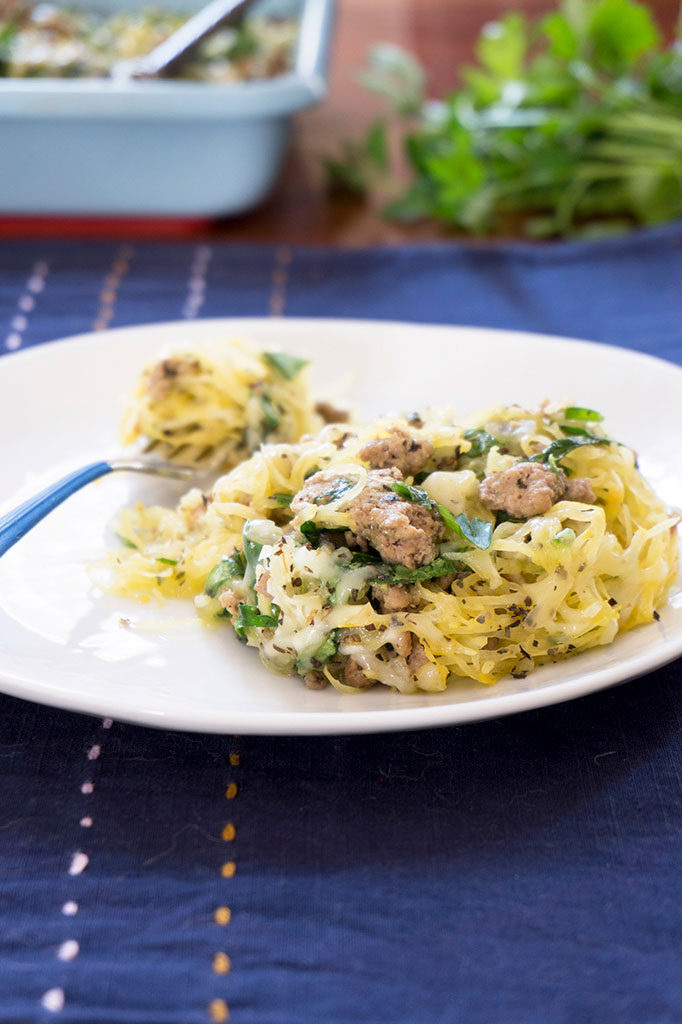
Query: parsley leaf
<point x="567" y="124"/>
<point x="360" y="164"/>
<point x="288" y="366"/>
<point x="282" y="499"/>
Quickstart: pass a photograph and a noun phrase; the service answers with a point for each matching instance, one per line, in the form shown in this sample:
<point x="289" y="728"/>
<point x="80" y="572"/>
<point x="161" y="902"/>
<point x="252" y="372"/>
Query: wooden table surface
<point x="441" y="32"/>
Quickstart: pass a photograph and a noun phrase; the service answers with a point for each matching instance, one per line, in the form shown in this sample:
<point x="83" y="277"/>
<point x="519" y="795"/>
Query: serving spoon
<point x="169" y="54"/>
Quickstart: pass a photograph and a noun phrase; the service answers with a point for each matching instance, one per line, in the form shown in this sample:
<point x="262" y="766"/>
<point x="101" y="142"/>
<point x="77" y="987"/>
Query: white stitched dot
<point x="35" y="284"/>
<point x="26" y="303"/>
<point x="53" y="1000"/>
<point x="94" y="752"/>
<point x="107" y="723"/>
<point x="68" y="950"/>
<point x="19" y="323"/>
<point x="196" y="284"/>
<point x="13" y="340"/>
<point x="79" y="863"/>
<point x="86" y="822"/>
<point x="88" y="787"/>
<point x="70" y="909"/>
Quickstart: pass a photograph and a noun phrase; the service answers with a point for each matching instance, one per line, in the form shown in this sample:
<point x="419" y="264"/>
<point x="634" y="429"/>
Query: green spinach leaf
<point x="249" y="616"/>
<point x="320" y="655"/>
<point x="576" y="412"/>
<point x="229" y="568"/>
<point x="270" y="415"/>
<point x="400" y="574"/>
<point x="481" y="443"/>
<point x="563" y="446"/>
<point x="288" y="366"/>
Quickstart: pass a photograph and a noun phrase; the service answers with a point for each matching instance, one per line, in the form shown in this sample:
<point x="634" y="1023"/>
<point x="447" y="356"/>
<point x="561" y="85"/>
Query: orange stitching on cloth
<point x="196" y="285"/>
<point x="219" y="1011"/>
<point x="280" y="277"/>
<point x="221" y="963"/>
<point x="110" y="288"/>
<point x="26" y="304"/>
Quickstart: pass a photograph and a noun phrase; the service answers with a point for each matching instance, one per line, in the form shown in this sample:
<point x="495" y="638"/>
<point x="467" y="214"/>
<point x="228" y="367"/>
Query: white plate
<point x="61" y="642"/>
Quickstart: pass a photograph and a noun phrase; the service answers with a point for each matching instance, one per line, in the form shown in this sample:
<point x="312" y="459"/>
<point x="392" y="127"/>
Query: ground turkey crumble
<point x="408" y="454"/>
<point x="402" y="532"/>
<point x="163" y="377"/>
<point x="530" y="489"/>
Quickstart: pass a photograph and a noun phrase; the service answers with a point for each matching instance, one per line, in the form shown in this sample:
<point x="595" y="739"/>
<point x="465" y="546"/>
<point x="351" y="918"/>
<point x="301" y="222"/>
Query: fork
<point x="16" y="523"/>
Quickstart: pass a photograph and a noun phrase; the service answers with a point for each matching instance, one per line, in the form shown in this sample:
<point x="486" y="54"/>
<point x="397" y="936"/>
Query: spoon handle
<point x="170" y="52"/>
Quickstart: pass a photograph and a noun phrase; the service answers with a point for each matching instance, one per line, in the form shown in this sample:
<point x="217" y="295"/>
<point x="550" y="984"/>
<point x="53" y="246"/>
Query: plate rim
<point x="109" y="335"/>
<point x="284" y="722"/>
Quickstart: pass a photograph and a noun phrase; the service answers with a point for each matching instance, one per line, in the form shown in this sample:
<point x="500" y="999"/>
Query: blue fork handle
<point x="14" y="524"/>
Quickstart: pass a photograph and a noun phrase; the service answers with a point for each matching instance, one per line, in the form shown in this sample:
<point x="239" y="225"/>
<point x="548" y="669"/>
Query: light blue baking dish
<point x="166" y="148"/>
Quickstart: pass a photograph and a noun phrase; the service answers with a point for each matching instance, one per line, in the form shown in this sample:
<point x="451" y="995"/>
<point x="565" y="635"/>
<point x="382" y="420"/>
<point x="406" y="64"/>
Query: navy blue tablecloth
<point x="525" y="870"/>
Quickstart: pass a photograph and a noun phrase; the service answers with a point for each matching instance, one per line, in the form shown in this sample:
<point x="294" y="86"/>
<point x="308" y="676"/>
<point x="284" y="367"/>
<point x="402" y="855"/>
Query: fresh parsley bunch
<point x="568" y="125"/>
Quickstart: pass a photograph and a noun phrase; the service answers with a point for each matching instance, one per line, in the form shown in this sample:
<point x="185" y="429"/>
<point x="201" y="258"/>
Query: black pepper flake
<point x="528" y="602"/>
<point x="657" y="617"/>
<point x="613" y="602"/>
<point x="481" y="619"/>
